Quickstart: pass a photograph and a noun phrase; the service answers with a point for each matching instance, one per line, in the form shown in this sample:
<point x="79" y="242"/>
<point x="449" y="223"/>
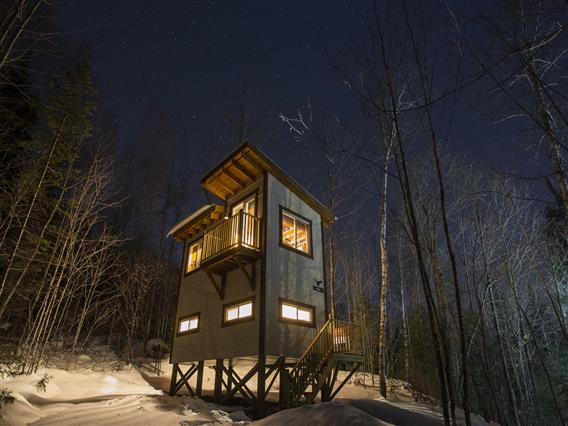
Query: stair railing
<point x="307" y="365"/>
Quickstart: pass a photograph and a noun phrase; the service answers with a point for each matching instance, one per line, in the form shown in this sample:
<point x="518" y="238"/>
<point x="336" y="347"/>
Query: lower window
<point x="188" y="324"/>
<point x="297" y="313"/>
<point x="242" y="310"/>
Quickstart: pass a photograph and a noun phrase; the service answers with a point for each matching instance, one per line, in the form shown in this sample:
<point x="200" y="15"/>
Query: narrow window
<point x="297" y="313"/>
<point x="295" y="232"/>
<point x="194" y="256"/>
<point x="247" y="206"/>
<point x="238" y="311"/>
<point x="188" y="324"/>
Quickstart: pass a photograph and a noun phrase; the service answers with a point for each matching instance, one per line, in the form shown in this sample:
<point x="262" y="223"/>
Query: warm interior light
<point x="295" y="232"/>
<point x="194" y="256"/>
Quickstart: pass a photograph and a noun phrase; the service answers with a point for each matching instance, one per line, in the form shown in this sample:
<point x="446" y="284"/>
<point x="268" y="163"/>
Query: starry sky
<point x="182" y="56"/>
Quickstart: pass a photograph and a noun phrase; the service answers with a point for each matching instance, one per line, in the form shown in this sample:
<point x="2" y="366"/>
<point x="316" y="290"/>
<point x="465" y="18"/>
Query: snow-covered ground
<point x="94" y="395"/>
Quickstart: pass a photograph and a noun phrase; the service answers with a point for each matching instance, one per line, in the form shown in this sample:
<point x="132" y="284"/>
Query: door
<point x="248" y="207"/>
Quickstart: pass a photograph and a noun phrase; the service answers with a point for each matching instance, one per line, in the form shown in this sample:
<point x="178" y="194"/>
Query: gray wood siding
<point x="197" y="294"/>
<point x="290" y="275"/>
<point x="213" y="340"/>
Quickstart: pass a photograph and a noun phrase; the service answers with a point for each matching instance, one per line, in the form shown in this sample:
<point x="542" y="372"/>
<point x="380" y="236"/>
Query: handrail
<point x="313" y="342"/>
<point x="241" y="229"/>
<point x="334" y="336"/>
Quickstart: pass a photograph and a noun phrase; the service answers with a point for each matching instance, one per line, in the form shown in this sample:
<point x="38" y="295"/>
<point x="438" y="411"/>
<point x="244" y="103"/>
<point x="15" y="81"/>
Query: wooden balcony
<point x="231" y="243"/>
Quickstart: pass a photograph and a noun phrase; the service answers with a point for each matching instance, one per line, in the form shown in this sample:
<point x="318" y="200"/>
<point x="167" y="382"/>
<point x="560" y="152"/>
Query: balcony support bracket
<point x="250" y="277"/>
<point x="219" y="287"/>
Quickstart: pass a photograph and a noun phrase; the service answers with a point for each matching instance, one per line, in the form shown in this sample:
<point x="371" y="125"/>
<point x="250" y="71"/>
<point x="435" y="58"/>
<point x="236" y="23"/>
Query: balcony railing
<point x="240" y="230"/>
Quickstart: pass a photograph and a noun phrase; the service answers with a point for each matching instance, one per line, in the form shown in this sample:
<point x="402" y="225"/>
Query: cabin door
<point x="247" y="206"/>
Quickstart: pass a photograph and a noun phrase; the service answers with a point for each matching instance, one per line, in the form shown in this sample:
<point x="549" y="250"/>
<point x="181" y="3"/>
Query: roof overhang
<point x="245" y="165"/>
<point x="196" y="222"/>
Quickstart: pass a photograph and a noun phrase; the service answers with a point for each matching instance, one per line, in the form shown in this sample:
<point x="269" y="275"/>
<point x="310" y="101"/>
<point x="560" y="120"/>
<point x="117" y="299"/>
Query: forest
<point x="457" y="270"/>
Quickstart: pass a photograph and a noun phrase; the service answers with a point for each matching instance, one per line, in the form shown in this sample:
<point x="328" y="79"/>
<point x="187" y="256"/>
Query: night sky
<point x="180" y="55"/>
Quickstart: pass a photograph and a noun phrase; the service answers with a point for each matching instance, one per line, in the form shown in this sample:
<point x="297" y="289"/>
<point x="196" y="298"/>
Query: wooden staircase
<point x="335" y="345"/>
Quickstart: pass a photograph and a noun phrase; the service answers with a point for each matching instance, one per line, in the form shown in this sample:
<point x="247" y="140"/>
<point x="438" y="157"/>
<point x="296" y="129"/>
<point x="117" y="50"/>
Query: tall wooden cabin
<point x="253" y="286"/>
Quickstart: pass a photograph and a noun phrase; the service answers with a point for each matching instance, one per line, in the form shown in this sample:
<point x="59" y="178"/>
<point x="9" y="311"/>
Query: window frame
<point x="189" y="317"/>
<point x="187" y="253"/>
<point x="295" y="216"/>
<point x="305" y="306"/>
<point x="253" y="194"/>
<point x="236" y="303"/>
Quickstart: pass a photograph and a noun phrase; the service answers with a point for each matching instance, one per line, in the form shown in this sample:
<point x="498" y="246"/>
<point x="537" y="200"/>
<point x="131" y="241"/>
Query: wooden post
<point x="230" y="376"/>
<point x="240" y="228"/>
<point x="284" y="393"/>
<point x="199" y="383"/>
<point x="218" y="380"/>
<point x="261" y="387"/>
<point x="173" y="381"/>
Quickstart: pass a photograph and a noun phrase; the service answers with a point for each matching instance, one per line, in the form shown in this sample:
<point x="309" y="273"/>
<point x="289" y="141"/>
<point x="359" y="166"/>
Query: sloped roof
<point x="196" y="221"/>
<point x="245" y="165"/>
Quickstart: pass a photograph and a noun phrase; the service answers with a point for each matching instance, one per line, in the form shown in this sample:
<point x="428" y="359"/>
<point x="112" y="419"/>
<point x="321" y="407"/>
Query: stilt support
<point x="176" y="385"/>
<point x="261" y="388"/>
<point x="218" y="380"/>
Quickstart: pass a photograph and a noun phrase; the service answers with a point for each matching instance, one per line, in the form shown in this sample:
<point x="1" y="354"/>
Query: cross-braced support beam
<point x="176" y="385"/>
<point x="228" y="383"/>
<point x="331" y="387"/>
<point x="239" y="385"/>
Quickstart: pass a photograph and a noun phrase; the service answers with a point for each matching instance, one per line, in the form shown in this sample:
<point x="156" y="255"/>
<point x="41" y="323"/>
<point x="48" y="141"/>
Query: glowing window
<point x="238" y="311"/>
<point x="295" y="232"/>
<point x="194" y="256"/>
<point x="188" y="324"/>
<point x="297" y="313"/>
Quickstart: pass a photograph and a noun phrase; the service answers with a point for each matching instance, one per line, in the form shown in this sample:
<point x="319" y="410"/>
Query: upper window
<point x="295" y="232"/>
<point x="194" y="256"/>
<point x="189" y="324"/>
<point x="234" y="312"/>
<point x="296" y="312"/>
<point x="247" y="205"/>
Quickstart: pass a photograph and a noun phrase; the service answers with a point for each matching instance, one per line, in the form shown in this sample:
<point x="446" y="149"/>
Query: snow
<point x="96" y="395"/>
<point x="190" y="218"/>
<point x="85" y="396"/>
<point x="323" y="414"/>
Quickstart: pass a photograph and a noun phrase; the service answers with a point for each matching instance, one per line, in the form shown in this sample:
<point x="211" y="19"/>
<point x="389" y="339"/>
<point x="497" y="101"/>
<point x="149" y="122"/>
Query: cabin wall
<point x="197" y="294"/>
<point x="290" y="275"/>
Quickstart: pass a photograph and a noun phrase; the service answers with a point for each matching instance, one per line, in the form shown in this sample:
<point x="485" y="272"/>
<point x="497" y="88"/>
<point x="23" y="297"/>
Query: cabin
<point x="252" y="287"/>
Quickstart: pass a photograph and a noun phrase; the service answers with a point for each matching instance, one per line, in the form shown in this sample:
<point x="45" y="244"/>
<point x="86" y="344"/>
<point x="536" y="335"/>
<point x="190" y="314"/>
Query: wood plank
<point x="223" y="188"/>
<point x="241" y="382"/>
<point x="199" y="384"/>
<point x="254" y="164"/>
<point x="243" y="171"/>
<point x="353" y="370"/>
<point x="236" y="380"/>
<point x="184" y="379"/>
<point x="235" y="179"/>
